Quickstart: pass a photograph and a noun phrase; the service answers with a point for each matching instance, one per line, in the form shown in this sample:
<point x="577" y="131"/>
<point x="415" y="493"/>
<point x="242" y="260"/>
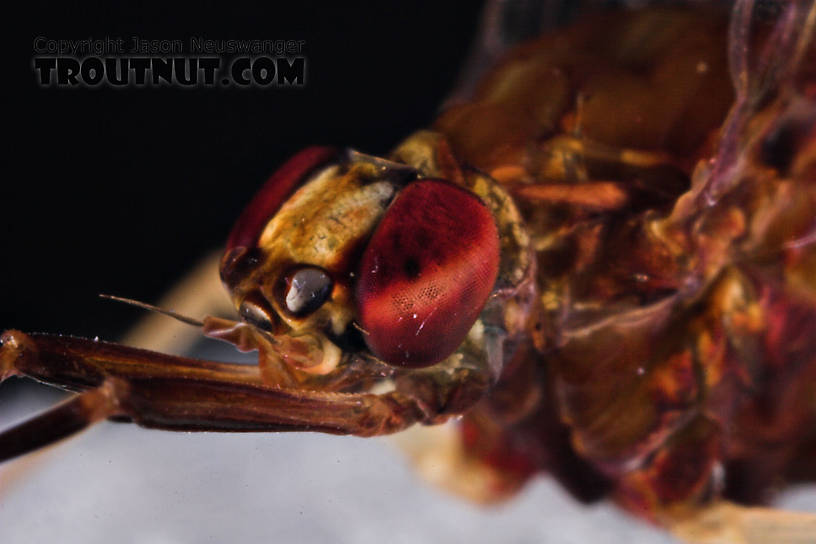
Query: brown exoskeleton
<point x="603" y="258"/>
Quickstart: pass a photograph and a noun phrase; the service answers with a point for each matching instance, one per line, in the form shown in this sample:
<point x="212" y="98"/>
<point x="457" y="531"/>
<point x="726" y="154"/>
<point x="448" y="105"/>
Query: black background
<point x="121" y="191"/>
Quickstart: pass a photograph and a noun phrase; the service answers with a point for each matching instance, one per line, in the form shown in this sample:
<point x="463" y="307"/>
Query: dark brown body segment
<point x="675" y="338"/>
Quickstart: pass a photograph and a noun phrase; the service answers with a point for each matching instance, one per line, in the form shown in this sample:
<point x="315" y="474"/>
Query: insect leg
<point x="600" y="195"/>
<point x="67" y="418"/>
<point x="174" y="393"/>
<point x="79" y="364"/>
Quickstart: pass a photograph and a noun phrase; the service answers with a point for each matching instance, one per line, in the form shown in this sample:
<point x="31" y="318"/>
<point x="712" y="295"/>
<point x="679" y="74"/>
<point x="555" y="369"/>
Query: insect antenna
<point x="150" y="307"/>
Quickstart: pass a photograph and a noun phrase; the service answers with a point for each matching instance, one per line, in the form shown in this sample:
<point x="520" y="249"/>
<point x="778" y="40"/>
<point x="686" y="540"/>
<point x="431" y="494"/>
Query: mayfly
<point x="599" y="260"/>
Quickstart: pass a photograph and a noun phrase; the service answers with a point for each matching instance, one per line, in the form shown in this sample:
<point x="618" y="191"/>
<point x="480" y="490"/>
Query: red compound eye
<point x="272" y="195"/>
<point x="426" y="273"/>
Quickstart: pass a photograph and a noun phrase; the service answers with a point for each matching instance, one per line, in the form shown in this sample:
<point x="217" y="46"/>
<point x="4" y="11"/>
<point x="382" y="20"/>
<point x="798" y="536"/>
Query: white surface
<point x="132" y="485"/>
<point x="118" y="482"/>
